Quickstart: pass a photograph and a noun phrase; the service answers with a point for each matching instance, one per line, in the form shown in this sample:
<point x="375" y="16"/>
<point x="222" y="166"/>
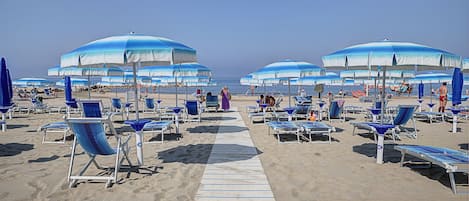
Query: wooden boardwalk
<point x="234" y="171"/>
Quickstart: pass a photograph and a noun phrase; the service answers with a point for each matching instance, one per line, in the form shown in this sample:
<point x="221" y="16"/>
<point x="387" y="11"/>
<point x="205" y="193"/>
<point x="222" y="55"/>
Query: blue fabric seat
<point x="149" y="105"/>
<point x="192" y="109"/>
<point x="212" y="102"/>
<point x="336" y="109"/>
<point x="452" y="160"/>
<point x="91" y="136"/>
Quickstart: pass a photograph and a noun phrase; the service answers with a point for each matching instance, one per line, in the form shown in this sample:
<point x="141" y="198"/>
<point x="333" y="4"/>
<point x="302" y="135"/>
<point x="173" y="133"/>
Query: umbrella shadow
<point x="44" y="159"/>
<point x="464" y="146"/>
<point x="13" y="126"/>
<point x="216" y="129"/>
<point x="200" y="153"/>
<point x="218" y="118"/>
<point x="12" y="149"/>
<point x="369" y="149"/>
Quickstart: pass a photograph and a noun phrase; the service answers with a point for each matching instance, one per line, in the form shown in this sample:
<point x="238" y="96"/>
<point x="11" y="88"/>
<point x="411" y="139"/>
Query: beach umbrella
<point x="178" y="72"/>
<point x="130" y="50"/>
<point x="396" y="55"/>
<point x="32" y="82"/>
<point x="6" y="93"/>
<point x="465" y="65"/>
<point x="85" y="72"/>
<point x="288" y="69"/>
<point x="457" y="84"/>
<point x="75" y="82"/>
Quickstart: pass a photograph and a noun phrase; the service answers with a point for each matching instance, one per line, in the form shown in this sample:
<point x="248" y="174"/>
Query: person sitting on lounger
<point x="270" y="100"/>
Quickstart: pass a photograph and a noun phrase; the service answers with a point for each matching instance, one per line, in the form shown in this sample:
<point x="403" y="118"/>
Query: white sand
<point x="343" y="170"/>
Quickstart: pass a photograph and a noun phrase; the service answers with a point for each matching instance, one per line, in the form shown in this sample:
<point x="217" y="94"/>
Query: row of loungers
<point x="300" y="129"/>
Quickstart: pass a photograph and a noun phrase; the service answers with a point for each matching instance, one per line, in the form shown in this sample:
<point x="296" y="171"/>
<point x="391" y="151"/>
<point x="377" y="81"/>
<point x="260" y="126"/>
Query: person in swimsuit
<point x="443" y="97"/>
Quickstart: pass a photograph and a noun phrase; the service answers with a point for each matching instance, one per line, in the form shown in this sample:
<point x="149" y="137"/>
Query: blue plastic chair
<point x="117" y="106"/>
<point x="192" y="109"/>
<point x="91" y="135"/>
<point x="212" y="102"/>
<point x="404" y="114"/>
<point x="149" y="105"/>
<point x="91" y="108"/>
<point x="336" y="110"/>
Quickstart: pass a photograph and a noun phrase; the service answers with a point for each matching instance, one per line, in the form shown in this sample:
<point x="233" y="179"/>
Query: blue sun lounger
<point x="449" y="159"/>
<point x="284" y="127"/>
<point x="157" y="127"/>
<point x="91" y="136"/>
<point x="55" y="127"/>
<point x="316" y="128"/>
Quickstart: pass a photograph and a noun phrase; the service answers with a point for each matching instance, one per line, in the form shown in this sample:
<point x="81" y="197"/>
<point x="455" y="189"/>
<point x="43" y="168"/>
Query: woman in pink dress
<point x="225" y="99"/>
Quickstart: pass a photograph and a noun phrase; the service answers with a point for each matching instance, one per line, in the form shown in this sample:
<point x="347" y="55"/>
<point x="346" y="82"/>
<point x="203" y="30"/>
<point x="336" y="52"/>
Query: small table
<point x="127" y="110"/>
<point x="289" y="111"/>
<point x="455" y="112"/>
<point x="374" y="113"/>
<point x="138" y="125"/>
<point x="380" y="129"/>
<point x="430" y="105"/>
<point x="321" y="104"/>
<point x="176" y="111"/>
<point x="420" y="104"/>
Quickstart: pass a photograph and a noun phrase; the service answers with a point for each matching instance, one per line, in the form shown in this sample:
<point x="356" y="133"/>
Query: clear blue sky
<point x="231" y="37"/>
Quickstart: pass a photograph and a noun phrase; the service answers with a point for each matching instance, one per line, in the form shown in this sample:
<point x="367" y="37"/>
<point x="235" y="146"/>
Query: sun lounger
<point x="193" y="111"/>
<point x="430" y="116"/>
<point x="212" y="102"/>
<point x="284" y="128"/>
<point x="315" y="128"/>
<point x="404" y="115"/>
<point x="149" y="106"/>
<point x="353" y="109"/>
<point x="155" y="127"/>
<point x="55" y="127"/>
<point x="451" y="160"/>
<point x="91" y="136"/>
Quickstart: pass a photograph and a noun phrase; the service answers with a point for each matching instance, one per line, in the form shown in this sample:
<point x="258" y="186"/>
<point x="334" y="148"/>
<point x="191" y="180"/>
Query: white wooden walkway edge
<point x="234" y="171"/>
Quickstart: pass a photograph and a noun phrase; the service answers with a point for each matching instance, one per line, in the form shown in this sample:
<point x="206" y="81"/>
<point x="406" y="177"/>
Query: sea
<point x="236" y="88"/>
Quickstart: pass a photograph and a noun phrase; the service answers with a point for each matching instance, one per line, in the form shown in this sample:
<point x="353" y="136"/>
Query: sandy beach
<point x="343" y="170"/>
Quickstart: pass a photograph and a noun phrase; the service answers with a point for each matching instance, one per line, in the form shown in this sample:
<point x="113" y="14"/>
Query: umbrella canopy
<point x="457" y="84"/>
<point x="398" y="55"/>
<point x="6" y="93"/>
<point x="32" y="82"/>
<point x="183" y="69"/>
<point x="431" y="77"/>
<point x="367" y="74"/>
<point x="388" y="53"/>
<point x="249" y="80"/>
<point x="465" y="65"/>
<point x="314" y="80"/>
<point x="75" y="82"/>
<point x="129" y="49"/>
<point x="125" y="79"/>
<point x="75" y="71"/>
<point x="421" y="87"/>
<point x="287" y="69"/>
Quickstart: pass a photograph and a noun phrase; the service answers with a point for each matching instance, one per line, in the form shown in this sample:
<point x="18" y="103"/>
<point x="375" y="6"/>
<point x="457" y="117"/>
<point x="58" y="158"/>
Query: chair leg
<point x="72" y="158"/>
<point x="402" y="158"/>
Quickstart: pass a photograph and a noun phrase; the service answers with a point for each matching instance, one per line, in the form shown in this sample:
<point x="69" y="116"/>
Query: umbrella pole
<point x="383" y="95"/>
<point x="176" y="79"/>
<point x="135" y="90"/>
<point x="4" y="125"/>
<point x="89" y="86"/>
<point x="289" y="98"/>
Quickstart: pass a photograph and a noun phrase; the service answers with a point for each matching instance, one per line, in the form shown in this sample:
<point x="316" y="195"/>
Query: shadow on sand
<point x="199" y="153"/>
<point x="12" y="149"/>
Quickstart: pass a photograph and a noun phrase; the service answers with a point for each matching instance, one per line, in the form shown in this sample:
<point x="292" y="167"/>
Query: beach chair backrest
<point x="192" y="108"/>
<point x="91" y="108"/>
<point x="116" y="103"/>
<point x="211" y="101"/>
<point x="150" y="103"/>
<point x="301" y="109"/>
<point x="90" y="134"/>
<point x="334" y="110"/>
<point x="404" y="114"/>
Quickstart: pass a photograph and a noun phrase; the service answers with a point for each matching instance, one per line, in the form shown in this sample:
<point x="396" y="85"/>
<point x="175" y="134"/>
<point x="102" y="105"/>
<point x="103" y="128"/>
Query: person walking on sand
<point x="225" y="99"/>
<point x="443" y="97"/>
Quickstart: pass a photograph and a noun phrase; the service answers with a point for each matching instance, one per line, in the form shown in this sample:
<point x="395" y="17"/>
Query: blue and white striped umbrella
<point x="388" y="53"/>
<point x="76" y="83"/>
<point x="75" y="71"/>
<point x="465" y="65"/>
<point x="33" y="82"/>
<point x="367" y="74"/>
<point x="398" y="55"/>
<point x="183" y="69"/>
<point x="431" y="77"/>
<point x="113" y="84"/>
<point x="125" y="79"/>
<point x="130" y="50"/>
<point x="288" y="69"/>
<point x="314" y="80"/>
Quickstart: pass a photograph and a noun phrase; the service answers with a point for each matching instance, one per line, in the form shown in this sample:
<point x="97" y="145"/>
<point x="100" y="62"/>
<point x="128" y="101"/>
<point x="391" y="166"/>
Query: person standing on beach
<point x="443" y="97"/>
<point x="225" y="99"/>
